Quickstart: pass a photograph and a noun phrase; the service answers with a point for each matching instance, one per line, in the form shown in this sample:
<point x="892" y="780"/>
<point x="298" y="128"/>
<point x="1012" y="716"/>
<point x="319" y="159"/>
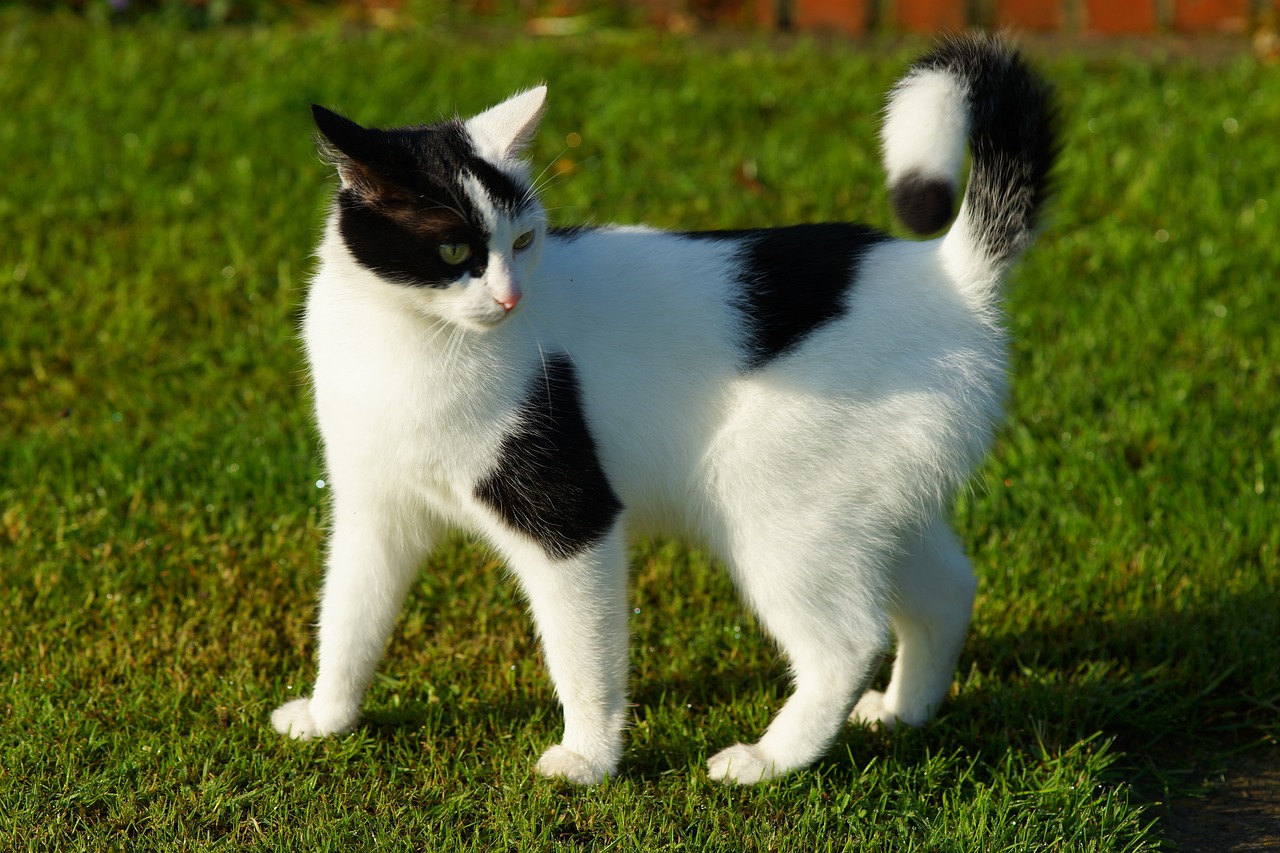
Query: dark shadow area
<point x="1238" y="810"/>
<point x="1189" y="694"/>
<point x="1169" y="681"/>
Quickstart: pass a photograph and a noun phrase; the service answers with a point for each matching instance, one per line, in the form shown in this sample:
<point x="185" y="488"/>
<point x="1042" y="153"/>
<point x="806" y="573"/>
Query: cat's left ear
<point x="503" y="132"/>
<point x="353" y="149"/>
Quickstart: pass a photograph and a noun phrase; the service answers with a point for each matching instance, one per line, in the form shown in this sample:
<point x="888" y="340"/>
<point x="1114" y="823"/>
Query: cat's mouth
<point x="505" y="298"/>
<point x="489" y="316"/>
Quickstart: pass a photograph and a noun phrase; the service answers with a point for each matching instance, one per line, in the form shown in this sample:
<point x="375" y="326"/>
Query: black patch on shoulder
<point x="794" y="280"/>
<point x="921" y="202"/>
<point x="549" y="484"/>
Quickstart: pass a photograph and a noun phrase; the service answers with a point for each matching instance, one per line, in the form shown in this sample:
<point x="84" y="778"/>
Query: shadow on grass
<point x="1173" y="680"/>
<point x="1188" y="694"/>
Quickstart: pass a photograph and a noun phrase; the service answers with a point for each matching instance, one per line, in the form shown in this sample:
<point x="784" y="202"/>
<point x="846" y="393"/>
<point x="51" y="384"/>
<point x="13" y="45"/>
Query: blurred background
<point x="851" y="17"/>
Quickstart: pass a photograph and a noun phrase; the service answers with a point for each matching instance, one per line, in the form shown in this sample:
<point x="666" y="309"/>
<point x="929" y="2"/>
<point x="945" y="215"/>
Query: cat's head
<point x="445" y="211"/>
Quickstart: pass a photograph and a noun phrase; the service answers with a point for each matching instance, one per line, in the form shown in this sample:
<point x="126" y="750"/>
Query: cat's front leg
<point x="371" y="562"/>
<point x="579" y="607"/>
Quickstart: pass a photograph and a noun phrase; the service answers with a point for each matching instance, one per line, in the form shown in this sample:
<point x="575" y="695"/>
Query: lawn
<point x="162" y="505"/>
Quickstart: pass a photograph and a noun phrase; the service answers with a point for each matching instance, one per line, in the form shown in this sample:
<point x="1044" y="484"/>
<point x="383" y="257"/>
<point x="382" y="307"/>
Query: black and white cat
<point x="803" y="401"/>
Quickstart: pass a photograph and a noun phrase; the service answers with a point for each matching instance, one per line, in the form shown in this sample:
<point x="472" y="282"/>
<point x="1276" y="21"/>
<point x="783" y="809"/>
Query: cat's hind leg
<point x="831" y="625"/>
<point x="370" y="565"/>
<point x="933" y="599"/>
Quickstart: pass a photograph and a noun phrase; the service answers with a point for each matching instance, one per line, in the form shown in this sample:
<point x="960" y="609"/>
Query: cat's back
<point x="832" y="306"/>
<point x="637" y="281"/>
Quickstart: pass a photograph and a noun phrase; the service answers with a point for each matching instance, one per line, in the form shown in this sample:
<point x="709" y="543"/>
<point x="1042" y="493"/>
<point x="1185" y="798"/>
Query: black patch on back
<point x="404" y="196"/>
<point x="549" y="484"/>
<point x="794" y="280"/>
<point x="921" y="202"/>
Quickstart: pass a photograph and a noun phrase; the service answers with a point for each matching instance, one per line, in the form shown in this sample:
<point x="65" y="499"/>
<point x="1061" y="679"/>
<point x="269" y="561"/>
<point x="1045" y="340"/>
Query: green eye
<point x="454" y="253"/>
<point x="523" y="241"/>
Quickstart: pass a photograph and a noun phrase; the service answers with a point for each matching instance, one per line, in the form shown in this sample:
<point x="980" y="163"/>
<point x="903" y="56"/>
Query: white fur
<point x="501" y="133"/>
<point x="821" y="479"/>
<point x="926" y="126"/>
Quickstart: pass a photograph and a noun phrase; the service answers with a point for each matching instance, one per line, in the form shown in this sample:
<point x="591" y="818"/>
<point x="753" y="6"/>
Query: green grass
<point x="160" y="521"/>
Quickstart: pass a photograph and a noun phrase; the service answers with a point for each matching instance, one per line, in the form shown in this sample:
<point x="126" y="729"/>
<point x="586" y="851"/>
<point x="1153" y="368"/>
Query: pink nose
<point x="510" y="298"/>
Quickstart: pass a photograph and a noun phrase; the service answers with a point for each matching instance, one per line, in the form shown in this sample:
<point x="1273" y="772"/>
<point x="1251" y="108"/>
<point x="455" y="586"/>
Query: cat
<point x="804" y="401"/>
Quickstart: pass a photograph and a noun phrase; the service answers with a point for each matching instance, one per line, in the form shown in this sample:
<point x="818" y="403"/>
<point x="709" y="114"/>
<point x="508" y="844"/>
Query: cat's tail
<point x="972" y="89"/>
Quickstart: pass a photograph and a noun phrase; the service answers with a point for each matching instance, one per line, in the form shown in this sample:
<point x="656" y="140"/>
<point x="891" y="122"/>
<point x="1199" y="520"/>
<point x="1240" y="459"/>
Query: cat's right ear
<point x="503" y="132"/>
<point x="350" y="147"/>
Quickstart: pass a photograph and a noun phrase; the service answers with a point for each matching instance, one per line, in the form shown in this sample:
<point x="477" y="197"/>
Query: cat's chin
<point x="480" y="321"/>
<point x="484" y="325"/>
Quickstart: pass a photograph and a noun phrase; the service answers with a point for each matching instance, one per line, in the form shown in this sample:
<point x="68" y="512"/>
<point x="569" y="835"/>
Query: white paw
<point x="562" y="763"/>
<point x="303" y="719"/>
<point x="742" y="764"/>
<point x="294" y="719"/>
<point x="872" y="710"/>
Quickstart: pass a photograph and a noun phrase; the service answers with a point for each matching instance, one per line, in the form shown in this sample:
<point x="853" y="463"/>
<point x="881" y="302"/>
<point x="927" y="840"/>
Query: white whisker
<point x="534" y="183"/>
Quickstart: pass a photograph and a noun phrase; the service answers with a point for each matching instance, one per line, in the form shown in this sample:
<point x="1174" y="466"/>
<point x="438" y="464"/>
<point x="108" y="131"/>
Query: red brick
<point x="714" y="12"/>
<point x="848" y="16"/>
<point x="767" y="13"/>
<point x="1031" y="14"/>
<point x="1221" y="15"/>
<point x="658" y="12"/>
<point x="1110" y="17"/>
<point x="932" y="15"/>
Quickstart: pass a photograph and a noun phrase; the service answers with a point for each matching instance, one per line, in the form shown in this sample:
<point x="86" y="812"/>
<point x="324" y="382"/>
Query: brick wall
<point x="1103" y="17"/>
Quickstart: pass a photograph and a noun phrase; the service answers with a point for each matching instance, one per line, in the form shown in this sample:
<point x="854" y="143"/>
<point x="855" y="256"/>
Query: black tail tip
<point x="923" y="203"/>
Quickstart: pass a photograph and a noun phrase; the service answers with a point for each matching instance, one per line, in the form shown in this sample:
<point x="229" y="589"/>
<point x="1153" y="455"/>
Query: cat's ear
<point x="349" y="146"/>
<point x="503" y="132"/>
